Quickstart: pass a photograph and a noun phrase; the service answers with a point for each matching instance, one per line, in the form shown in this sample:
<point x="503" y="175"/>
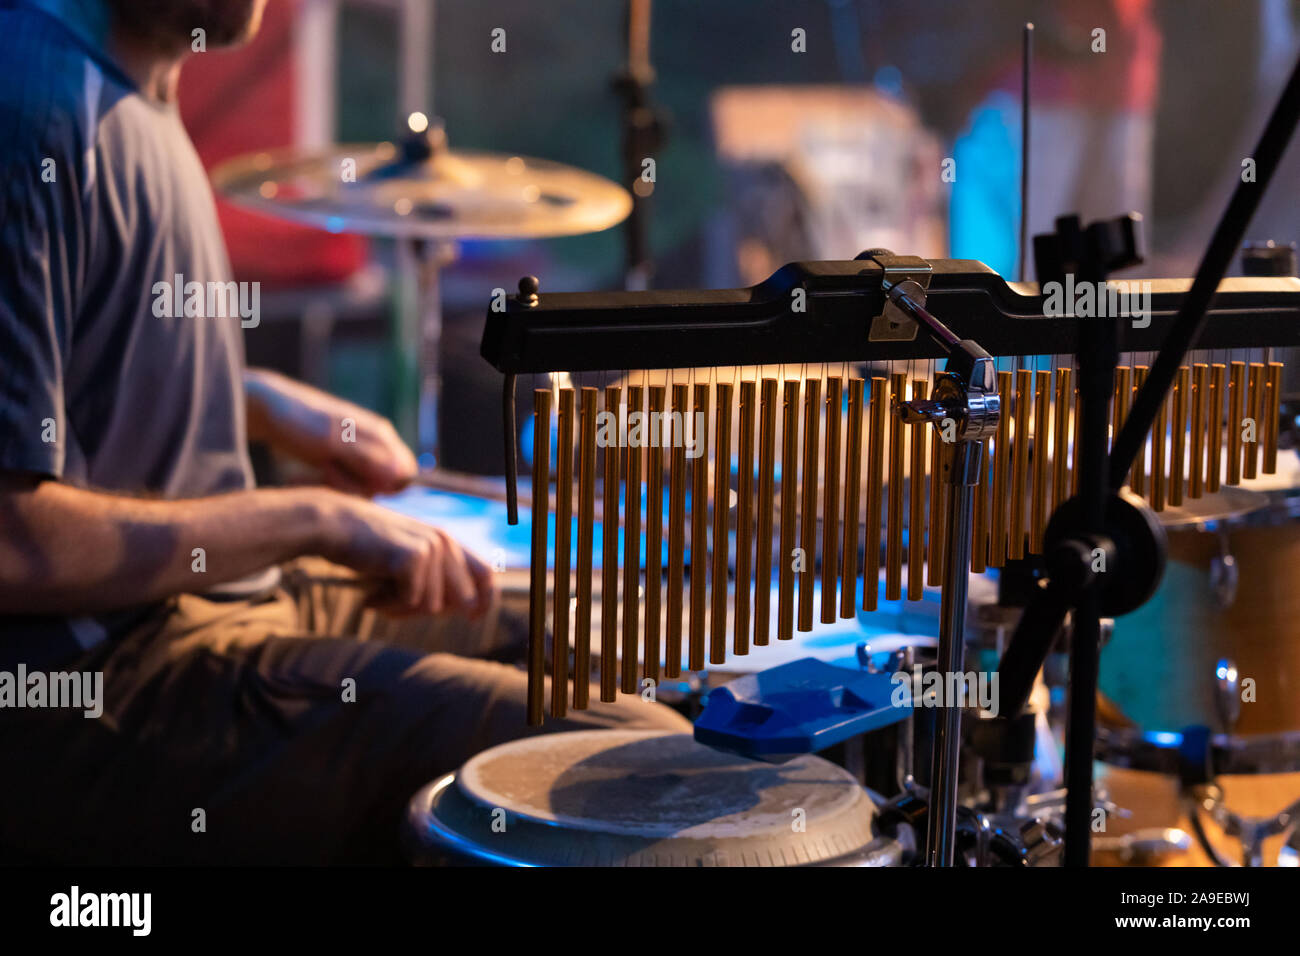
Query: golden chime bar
<point x="1038" y="500"/>
<point x="789" y="502"/>
<point x="1061" y="436"/>
<point x="1273" y="412"/>
<point x="1020" y="463"/>
<point x="831" y="499"/>
<point x="934" y="557"/>
<point x="1159" y="432"/>
<point x="1236" y="409"/>
<point x="537" y="573"/>
<point x="1196" y="457"/>
<point x="852" y="500"/>
<point x="1255" y="410"/>
<point x="609" y="562"/>
<point x="586" y="533"/>
<point x="676" y="534"/>
<point x="654" y="527"/>
<point x="744" y="516"/>
<point x="631" y="552"/>
<point x="1076" y="446"/>
<point x="766" y="507"/>
<point x="1120" y="402"/>
<point x="1001" y="467"/>
<point x="827" y="474"/>
<point x="875" y="492"/>
<point x="721" y="524"/>
<point x="894" y="528"/>
<point x="699" y="532"/>
<point x="1177" y="436"/>
<point x="1214" y="448"/>
<point x="1138" y="475"/>
<point x="979" y="555"/>
<point x="812" y="409"/>
<point x="916" y="501"/>
<point x="563" y="526"/>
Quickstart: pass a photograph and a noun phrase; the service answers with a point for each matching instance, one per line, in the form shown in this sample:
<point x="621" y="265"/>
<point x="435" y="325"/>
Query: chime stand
<point x="1102" y="521"/>
<point x="965" y="410"/>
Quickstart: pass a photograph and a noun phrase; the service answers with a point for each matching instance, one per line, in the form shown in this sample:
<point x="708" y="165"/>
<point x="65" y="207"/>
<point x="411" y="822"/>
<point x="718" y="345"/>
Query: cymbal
<point x="418" y="189"/>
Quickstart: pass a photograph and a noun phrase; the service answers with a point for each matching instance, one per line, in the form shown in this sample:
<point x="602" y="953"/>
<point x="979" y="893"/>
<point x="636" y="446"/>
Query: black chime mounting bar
<point x="821" y="312"/>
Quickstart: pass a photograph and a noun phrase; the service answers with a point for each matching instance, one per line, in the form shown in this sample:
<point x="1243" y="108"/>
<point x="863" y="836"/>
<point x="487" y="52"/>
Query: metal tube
<point x="1214" y="449"/>
<point x="744" y="517"/>
<point x="721" y="523"/>
<point x="766" y="507"/>
<point x="894" y="530"/>
<point x="699" y="533"/>
<point x="537" y="563"/>
<point x="1138" y="472"/>
<point x="812" y="409"/>
<point x="632" y="548"/>
<point x="586" y="535"/>
<point x="1001" y="467"/>
<point x="1273" y="410"/>
<point x="1196" y="454"/>
<point x="789" y="488"/>
<point x="1255" y="409"/>
<point x="654" y="528"/>
<point x="1020" y="463"/>
<point x="875" y="492"/>
<point x="1236" y="408"/>
<point x="852" y="500"/>
<point x="563" y="530"/>
<point x="945" y="762"/>
<point x="1042" y="432"/>
<point x="609" y="561"/>
<point x="1061" y="437"/>
<point x="1178" y="437"/>
<point x="916" y="502"/>
<point x="831" y="500"/>
<point x="676" y="535"/>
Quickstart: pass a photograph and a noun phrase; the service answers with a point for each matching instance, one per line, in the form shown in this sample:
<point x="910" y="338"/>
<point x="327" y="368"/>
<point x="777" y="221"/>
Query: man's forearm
<point x="66" y="550"/>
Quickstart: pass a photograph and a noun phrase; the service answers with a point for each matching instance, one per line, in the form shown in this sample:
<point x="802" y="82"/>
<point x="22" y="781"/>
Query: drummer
<point x="245" y="713"/>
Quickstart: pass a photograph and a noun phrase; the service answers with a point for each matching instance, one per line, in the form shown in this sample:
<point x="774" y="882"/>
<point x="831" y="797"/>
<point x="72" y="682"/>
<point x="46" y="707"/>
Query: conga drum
<point x="642" y="798"/>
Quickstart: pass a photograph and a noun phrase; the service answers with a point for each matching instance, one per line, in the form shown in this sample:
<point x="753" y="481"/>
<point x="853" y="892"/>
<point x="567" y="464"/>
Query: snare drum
<point x="642" y="798"/>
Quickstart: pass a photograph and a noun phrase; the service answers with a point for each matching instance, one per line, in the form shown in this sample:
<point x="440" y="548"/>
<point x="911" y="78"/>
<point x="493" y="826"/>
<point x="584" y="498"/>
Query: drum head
<point x="642" y="798"/>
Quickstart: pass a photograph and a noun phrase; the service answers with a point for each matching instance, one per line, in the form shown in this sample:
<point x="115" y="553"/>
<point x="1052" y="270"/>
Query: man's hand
<point x="356" y="450"/>
<point x="418" y="569"/>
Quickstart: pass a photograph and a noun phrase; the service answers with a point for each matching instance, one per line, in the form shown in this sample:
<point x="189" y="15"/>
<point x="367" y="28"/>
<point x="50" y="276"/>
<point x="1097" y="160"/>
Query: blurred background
<point x="897" y="124"/>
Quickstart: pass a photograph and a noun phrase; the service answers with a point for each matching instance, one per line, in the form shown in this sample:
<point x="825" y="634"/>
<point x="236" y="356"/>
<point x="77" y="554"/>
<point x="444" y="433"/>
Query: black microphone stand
<point x="1103" y="548"/>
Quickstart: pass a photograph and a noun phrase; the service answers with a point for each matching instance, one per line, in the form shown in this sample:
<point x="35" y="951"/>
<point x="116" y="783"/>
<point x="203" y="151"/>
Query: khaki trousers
<point x="288" y="730"/>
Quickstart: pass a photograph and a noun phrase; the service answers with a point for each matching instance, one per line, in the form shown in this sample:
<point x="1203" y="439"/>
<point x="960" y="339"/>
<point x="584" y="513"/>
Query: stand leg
<point x="945" y="763"/>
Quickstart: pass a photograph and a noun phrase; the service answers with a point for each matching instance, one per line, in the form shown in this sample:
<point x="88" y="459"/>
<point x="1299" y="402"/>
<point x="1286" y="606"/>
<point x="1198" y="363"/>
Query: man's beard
<point x="170" y="24"/>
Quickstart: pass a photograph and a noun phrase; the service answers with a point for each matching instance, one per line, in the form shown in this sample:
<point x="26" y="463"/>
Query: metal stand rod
<point x="945" y="762"/>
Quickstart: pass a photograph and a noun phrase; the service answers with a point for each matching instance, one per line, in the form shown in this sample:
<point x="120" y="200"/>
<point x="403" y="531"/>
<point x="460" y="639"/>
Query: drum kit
<point x="1187" y="766"/>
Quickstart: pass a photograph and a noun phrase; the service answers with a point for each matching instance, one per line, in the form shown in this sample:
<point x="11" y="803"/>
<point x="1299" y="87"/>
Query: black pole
<point x="1026" y="59"/>
<point x="1098" y="356"/>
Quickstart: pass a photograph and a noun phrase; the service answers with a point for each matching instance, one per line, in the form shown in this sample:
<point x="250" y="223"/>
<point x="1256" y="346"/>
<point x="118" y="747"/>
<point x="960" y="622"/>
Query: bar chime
<point x="802" y="480"/>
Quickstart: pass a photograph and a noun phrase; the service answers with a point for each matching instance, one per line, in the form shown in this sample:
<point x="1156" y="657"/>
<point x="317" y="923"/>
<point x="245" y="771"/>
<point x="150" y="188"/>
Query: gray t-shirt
<point x="102" y="384"/>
